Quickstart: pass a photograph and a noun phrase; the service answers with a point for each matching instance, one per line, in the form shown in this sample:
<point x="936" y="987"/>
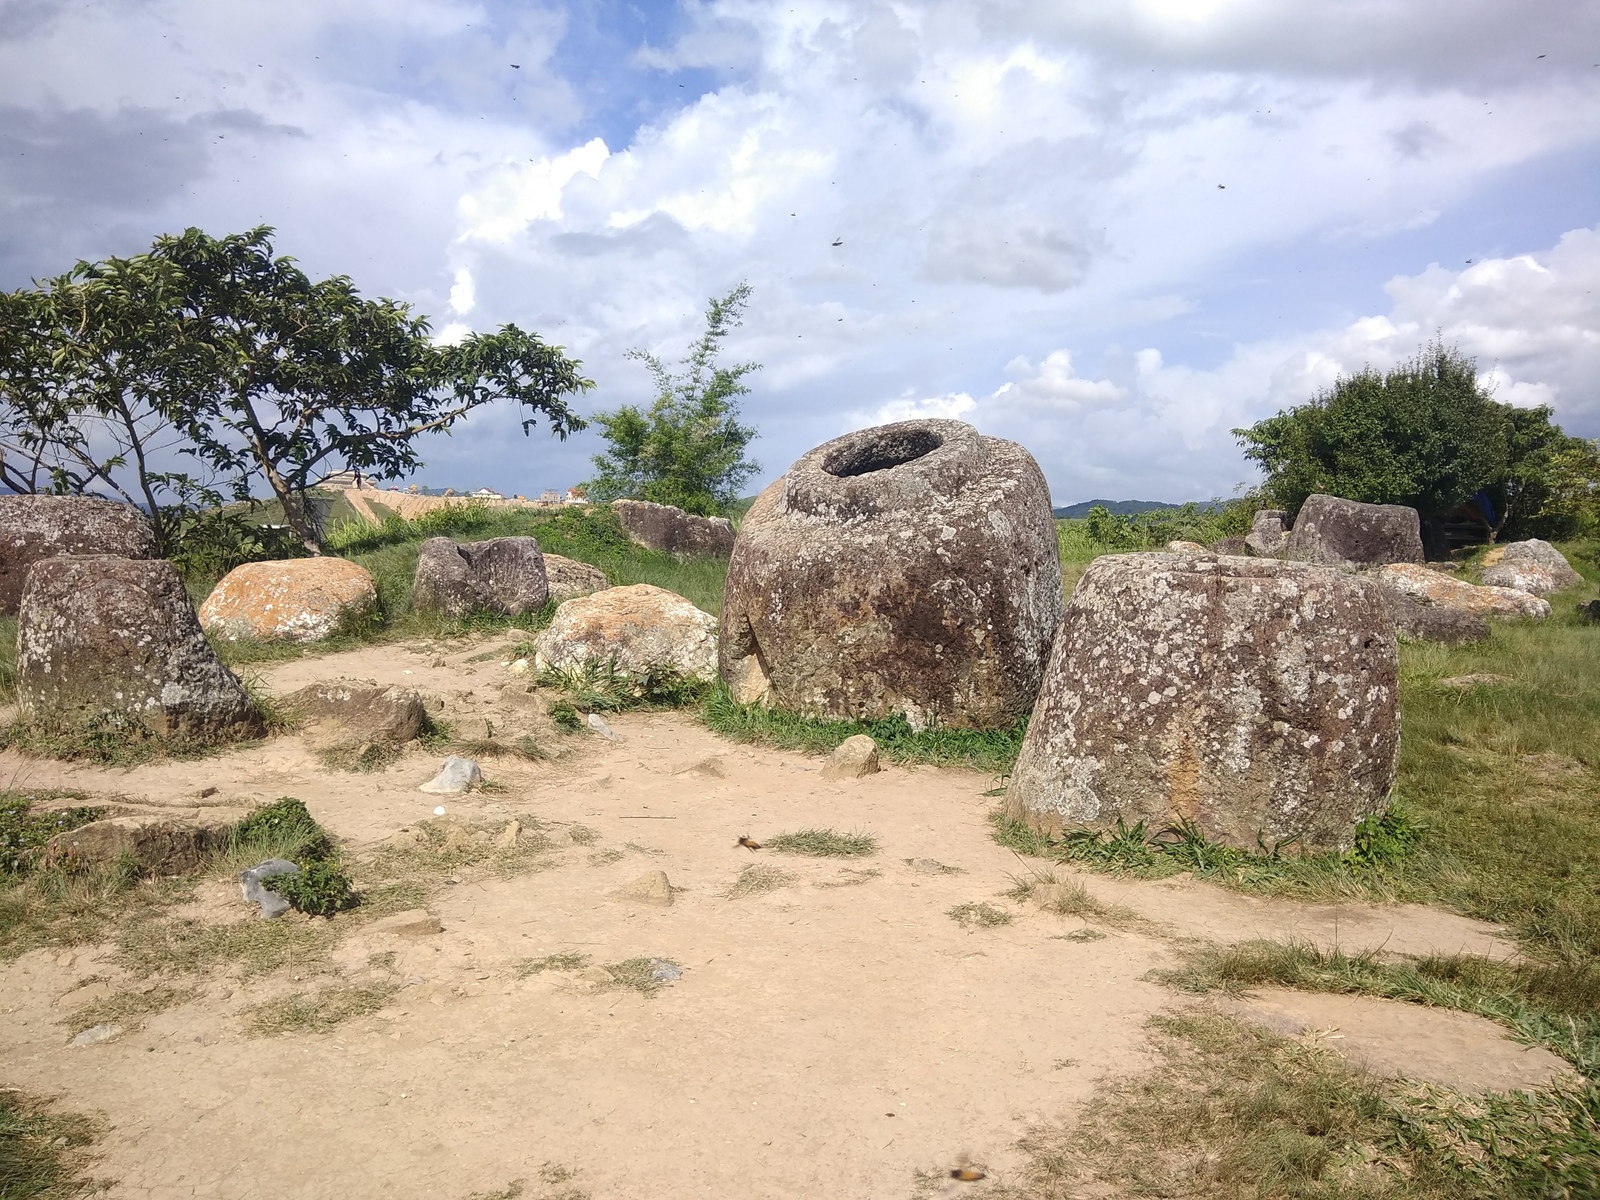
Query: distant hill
<point x="1121" y="508"/>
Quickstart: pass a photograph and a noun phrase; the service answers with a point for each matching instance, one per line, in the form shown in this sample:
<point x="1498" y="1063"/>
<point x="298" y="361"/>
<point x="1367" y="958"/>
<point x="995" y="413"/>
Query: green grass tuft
<point x="990" y="750"/>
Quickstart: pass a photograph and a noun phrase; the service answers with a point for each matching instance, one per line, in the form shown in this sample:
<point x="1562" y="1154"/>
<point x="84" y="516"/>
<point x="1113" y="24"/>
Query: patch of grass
<point x="126" y="1008"/>
<point x="522" y="746"/>
<point x="1233" y="1110"/>
<point x="569" y="960"/>
<point x="44" y="1152"/>
<point x="990" y="750"/>
<point x="111" y="740"/>
<point x="757" y="880"/>
<point x="640" y="975"/>
<point x="565" y="717"/>
<point x="1064" y="897"/>
<point x="604" y="858"/>
<point x="849" y="877"/>
<point x="1553" y="1005"/>
<point x="318" y="889"/>
<point x="55" y="906"/>
<point x="976" y="915"/>
<point x="25" y="827"/>
<point x="316" y="1011"/>
<point x="432" y="850"/>
<point x="602" y="687"/>
<point x="823" y="843"/>
<point x="156" y="944"/>
<point x="582" y="835"/>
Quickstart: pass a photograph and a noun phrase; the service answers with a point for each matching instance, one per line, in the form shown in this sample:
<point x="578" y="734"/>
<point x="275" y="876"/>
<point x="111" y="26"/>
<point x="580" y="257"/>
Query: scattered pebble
<point x="439" y="811"/>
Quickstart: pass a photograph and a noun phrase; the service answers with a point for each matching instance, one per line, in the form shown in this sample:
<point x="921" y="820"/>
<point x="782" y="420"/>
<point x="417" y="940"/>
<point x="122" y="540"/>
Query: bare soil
<point x="834" y="1036"/>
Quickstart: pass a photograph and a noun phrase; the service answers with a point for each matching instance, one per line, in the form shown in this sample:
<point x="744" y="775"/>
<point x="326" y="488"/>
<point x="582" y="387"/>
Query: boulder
<point x="1437" y="588"/>
<point x="159" y="845"/>
<point x="1533" y="566"/>
<point x="1255" y="699"/>
<point x="504" y="576"/>
<point x="353" y="713"/>
<point x="292" y="600"/>
<point x="1345" y="533"/>
<point x="1183" y="547"/>
<point x="640" y="628"/>
<point x="35" y="527"/>
<point x="1267" y="537"/>
<point x="908" y="569"/>
<point x="114" y="642"/>
<point x="568" y="578"/>
<point x="1235" y="545"/>
<point x="1416" y="621"/>
<point x="653" y="887"/>
<point x="852" y="758"/>
<point x="663" y="527"/>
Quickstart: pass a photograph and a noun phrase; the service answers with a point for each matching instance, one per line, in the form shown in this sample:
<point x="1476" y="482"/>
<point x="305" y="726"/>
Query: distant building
<point x="575" y="495"/>
<point x="549" y="496"/>
<point x="485" y="493"/>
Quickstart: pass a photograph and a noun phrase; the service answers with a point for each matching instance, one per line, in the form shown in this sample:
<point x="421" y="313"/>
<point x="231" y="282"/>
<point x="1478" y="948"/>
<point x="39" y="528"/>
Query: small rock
<point x="457" y="775"/>
<point x="207" y="792"/>
<point x="653" y="887"/>
<point x="598" y="723"/>
<point x="509" y="836"/>
<point x="66" y="958"/>
<point x="520" y="666"/>
<point x="414" y="922"/>
<point x="97" y="1034"/>
<point x="438" y="662"/>
<point x="1182" y="547"/>
<point x="854" y="757"/>
<point x="272" y="904"/>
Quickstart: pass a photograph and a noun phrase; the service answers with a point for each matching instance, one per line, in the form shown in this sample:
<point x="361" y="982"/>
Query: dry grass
<point x="975" y="915"/>
<point x="758" y="879"/>
<point x="317" y="1011"/>
<point x="44" y="1153"/>
<point x="823" y="843"/>
<point x="127" y="1008"/>
<point x="569" y="960"/>
<point x="1233" y="1111"/>
<point x="642" y="975"/>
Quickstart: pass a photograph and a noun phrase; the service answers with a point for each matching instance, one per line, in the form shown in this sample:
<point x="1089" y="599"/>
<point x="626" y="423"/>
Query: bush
<point x="318" y="889"/>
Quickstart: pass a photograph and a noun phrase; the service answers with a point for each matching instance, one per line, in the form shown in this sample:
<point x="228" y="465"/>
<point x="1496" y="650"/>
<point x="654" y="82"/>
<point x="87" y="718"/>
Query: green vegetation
<point x="126" y="1008"/>
<point x="976" y="915"/>
<point x="1553" y="1005"/>
<point x="258" y="375"/>
<point x="24" y="831"/>
<point x="992" y="750"/>
<point x="603" y="688"/>
<point x="823" y="843"/>
<point x="1426" y="434"/>
<point x="1103" y="532"/>
<point x="1232" y="1110"/>
<point x="43" y="1152"/>
<point x="688" y="450"/>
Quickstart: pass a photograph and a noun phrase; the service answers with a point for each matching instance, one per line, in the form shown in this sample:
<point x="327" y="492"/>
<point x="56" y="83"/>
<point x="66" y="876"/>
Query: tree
<point x="689" y="448"/>
<point x="1550" y="486"/>
<point x="1424" y="434"/>
<point x="218" y="351"/>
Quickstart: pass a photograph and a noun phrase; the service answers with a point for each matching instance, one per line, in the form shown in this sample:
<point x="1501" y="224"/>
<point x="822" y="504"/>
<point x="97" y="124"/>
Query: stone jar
<point x="907" y="569"/>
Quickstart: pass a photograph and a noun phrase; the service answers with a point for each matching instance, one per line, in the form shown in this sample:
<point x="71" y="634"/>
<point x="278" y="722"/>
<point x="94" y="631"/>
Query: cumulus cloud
<point x="949" y="208"/>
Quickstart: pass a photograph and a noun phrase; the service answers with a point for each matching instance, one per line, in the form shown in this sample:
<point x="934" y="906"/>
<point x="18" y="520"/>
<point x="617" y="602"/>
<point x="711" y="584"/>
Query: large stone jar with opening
<point x="908" y="569"/>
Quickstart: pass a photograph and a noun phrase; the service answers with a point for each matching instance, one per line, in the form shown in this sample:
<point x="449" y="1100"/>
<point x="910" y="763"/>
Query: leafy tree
<point x="688" y="449"/>
<point x="1424" y="434"/>
<point x="215" y="355"/>
<point x="1550" y="486"/>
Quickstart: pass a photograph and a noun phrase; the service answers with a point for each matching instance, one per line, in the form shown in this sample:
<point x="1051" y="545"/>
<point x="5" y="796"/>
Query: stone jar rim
<point x="886" y="468"/>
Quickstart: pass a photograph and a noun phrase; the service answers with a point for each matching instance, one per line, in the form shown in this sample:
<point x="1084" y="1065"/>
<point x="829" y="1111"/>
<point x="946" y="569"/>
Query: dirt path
<point x="832" y="1037"/>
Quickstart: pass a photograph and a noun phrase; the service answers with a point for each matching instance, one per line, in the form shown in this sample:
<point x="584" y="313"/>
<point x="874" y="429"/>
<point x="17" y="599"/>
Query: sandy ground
<point x="834" y="1037"/>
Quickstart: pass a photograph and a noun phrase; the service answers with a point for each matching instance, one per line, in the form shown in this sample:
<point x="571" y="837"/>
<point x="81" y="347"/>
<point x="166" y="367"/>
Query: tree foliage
<point x="1427" y="434"/>
<point x="688" y="448"/>
<point x="210" y="369"/>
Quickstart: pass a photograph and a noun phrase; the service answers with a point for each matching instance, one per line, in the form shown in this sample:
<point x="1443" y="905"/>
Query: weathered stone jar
<point x="1255" y="698"/>
<point x="911" y="568"/>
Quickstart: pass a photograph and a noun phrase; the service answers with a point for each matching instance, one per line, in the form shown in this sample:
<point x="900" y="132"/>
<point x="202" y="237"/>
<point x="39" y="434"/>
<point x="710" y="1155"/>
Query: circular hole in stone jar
<point x="889" y="449"/>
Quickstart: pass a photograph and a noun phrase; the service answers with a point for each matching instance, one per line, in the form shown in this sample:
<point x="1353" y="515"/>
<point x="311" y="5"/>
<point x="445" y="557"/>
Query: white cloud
<point x="520" y="193"/>
<point x="463" y="294"/>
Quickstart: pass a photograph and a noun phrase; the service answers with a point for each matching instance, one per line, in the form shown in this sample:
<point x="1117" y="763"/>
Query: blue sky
<point x="1033" y="235"/>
